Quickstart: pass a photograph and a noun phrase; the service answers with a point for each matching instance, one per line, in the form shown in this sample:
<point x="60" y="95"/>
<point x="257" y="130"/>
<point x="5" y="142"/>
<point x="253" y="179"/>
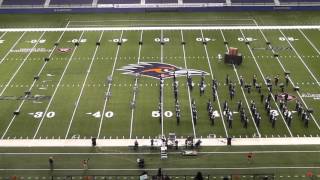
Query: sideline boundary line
<point x="159" y="28"/>
<point x="151" y="153"/>
<point x="175" y="169"/>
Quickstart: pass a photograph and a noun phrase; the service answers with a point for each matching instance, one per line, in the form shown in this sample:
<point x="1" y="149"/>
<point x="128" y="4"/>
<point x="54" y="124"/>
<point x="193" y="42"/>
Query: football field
<point x="90" y="79"/>
<point x="63" y="85"/>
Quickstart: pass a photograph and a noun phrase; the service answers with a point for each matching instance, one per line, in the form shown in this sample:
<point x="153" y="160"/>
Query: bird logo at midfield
<point x="159" y="70"/>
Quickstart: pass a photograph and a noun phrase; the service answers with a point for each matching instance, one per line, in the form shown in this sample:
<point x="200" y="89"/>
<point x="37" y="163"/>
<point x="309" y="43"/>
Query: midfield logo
<point x="159" y="70"/>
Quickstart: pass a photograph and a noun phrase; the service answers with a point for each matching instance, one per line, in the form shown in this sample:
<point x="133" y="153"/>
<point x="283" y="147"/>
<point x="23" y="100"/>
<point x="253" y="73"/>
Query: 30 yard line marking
<point x="109" y="87"/>
<point x="83" y="85"/>
<point x="290" y="79"/>
<point x="135" y="91"/>
<point x="264" y="80"/>
<point x="24" y="60"/>
<point x="13" y="46"/>
<point x="57" y="87"/>
<point x="300" y="58"/>
<point x="244" y="95"/>
<point x="30" y="88"/>
<point x="211" y="73"/>
<point x="189" y="96"/>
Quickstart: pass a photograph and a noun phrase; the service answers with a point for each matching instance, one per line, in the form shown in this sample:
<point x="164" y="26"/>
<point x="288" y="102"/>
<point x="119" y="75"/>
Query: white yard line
<point x="310" y="42"/>
<point x="291" y="81"/>
<point x="135" y="91"/>
<point x="147" y="153"/>
<point x="300" y="58"/>
<point x="30" y="88"/>
<point x="243" y="93"/>
<point x="264" y="80"/>
<point x="162" y="89"/>
<point x="13" y="46"/>
<point x="211" y="73"/>
<point x="83" y="85"/>
<point x="3" y="34"/>
<point x="146" y="28"/>
<point x="24" y="60"/>
<point x="189" y="96"/>
<point x="167" y="20"/>
<point x="109" y="87"/>
<point x="57" y="87"/>
<point x="176" y="169"/>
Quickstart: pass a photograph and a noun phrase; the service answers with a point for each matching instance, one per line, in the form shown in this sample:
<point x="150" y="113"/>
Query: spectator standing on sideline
<point x="250" y="157"/>
<point x="51" y="162"/>
<point x="85" y="164"/>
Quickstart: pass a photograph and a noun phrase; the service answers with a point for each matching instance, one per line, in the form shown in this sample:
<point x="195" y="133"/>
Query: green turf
<point x="76" y="64"/>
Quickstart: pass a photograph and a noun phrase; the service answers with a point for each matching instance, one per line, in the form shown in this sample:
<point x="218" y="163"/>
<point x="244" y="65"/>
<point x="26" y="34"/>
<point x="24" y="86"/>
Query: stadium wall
<point x="173" y="9"/>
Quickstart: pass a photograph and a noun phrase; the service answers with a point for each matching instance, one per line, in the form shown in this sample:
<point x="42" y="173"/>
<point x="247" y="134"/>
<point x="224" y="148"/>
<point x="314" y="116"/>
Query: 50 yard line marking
<point x="57" y="87"/>
<point x="291" y="81"/>
<point x="24" y="60"/>
<point x="32" y="85"/>
<point x="244" y="95"/>
<point x="83" y="85"/>
<point x="264" y="80"/>
<point x="109" y="87"/>
<point x="218" y="99"/>
<point x="136" y="85"/>
<point x="189" y="96"/>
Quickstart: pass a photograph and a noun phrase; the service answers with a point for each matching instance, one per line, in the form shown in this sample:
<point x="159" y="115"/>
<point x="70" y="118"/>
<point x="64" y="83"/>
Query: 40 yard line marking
<point x="24" y="60"/>
<point x="189" y="96"/>
<point x="244" y="95"/>
<point x="109" y="87"/>
<point x="57" y="87"/>
<point x="13" y="46"/>
<point x="83" y="85"/>
<point x="300" y="58"/>
<point x="32" y="85"/>
<point x="264" y="80"/>
<point x="218" y="99"/>
<point x="291" y="81"/>
<point x="136" y="85"/>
